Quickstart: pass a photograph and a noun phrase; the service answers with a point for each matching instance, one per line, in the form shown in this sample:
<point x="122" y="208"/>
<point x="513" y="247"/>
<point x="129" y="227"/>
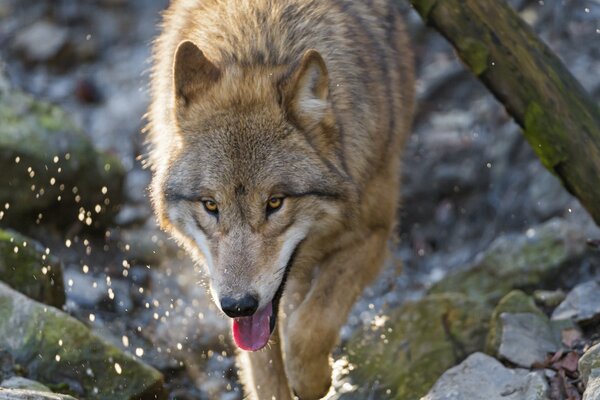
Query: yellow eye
<point x="210" y="206"/>
<point x="274" y="203"/>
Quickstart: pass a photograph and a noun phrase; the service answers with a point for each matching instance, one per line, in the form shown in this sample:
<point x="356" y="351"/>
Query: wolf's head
<point x="254" y="167"/>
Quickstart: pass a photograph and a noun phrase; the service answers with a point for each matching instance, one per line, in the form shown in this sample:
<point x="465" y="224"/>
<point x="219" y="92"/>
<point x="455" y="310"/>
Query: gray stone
<point x="483" y="377"/>
<point x="582" y="304"/>
<point x="592" y="390"/>
<point x="18" y="382"/>
<point x="41" y="41"/>
<point x="55" y="348"/>
<point x="526" y="338"/>
<point x="85" y="290"/>
<point x="24" y="394"/>
<point x="589" y="361"/>
<point x="133" y="215"/>
<point x="549" y="298"/>
<point x="514" y="302"/>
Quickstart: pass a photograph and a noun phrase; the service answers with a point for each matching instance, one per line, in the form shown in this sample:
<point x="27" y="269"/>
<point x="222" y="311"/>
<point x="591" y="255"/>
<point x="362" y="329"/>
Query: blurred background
<point x="73" y="93"/>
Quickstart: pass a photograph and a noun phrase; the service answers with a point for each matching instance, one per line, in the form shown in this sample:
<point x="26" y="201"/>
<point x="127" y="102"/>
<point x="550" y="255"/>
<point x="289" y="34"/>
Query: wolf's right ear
<point x="305" y="90"/>
<point x="193" y="73"/>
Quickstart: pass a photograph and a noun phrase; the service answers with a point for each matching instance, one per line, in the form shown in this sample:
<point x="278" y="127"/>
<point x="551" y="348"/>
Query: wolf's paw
<point x="310" y="381"/>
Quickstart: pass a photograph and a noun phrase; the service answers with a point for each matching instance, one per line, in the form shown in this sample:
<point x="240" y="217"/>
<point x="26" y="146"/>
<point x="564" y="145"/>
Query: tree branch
<point x="559" y="118"/>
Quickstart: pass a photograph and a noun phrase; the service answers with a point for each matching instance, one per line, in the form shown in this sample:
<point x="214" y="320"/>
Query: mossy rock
<point x="26" y="267"/>
<point x="514" y="302"/>
<point x="50" y="170"/>
<point x="55" y="349"/>
<point x="403" y="359"/>
<point x="589" y="361"/>
<point x="525" y="261"/>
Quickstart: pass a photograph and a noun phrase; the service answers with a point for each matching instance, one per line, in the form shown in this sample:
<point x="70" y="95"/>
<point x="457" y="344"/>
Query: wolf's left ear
<point x="193" y="73"/>
<point x="305" y="90"/>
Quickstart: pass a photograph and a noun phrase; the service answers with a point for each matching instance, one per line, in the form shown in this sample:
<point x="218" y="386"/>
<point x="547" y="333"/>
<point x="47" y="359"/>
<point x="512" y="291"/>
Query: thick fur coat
<point x="275" y="130"/>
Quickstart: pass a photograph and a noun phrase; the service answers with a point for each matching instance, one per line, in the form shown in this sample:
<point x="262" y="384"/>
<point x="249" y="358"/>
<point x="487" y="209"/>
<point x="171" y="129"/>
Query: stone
<point x="526" y="339"/>
<point x="549" y="298"/>
<point x="56" y="349"/>
<point x="40" y="41"/>
<point x="25" y="266"/>
<point x="50" y="170"/>
<point x="483" y="377"/>
<point x="592" y="391"/>
<point x="520" y="332"/>
<point x="589" y="362"/>
<point x="25" y="394"/>
<point x="402" y="358"/>
<point x="18" y="382"/>
<point x="582" y="304"/>
<point x="525" y="261"/>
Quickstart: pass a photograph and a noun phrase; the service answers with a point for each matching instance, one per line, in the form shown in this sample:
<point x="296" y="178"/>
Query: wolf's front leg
<point x="313" y="329"/>
<point x="262" y="372"/>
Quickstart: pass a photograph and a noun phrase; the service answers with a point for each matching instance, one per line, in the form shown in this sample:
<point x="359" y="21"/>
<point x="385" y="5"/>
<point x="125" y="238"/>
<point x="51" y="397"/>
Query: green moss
<point x="419" y="342"/>
<point x="517" y="262"/>
<point x="49" y="146"/>
<point x="475" y="54"/>
<point x="24" y="268"/>
<point x="6" y="308"/>
<point x="514" y="302"/>
<point x="424" y="7"/>
<point x="57" y="349"/>
<point x="589" y="361"/>
<point x="538" y="132"/>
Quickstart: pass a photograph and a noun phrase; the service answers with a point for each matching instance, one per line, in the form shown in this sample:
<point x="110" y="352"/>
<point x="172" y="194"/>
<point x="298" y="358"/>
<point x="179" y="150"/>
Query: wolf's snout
<point x="243" y="307"/>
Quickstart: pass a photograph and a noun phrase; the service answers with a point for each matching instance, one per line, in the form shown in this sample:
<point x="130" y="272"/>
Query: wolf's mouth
<point x="253" y="333"/>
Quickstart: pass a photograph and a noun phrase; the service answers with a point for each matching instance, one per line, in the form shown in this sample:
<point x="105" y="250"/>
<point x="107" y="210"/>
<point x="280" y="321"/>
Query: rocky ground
<point x="494" y="278"/>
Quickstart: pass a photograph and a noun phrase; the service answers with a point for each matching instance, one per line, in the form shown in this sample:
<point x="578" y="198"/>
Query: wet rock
<point x="403" y="357"/>
<point x="589" y="362"/>
<point x="18" y="382"/>
<point x="146" y="246"/>
<point x="85" y="290"/>
<point x="581" y="305"/>
<point x="526" y="339"/>
<point x="28" y="268"/>
<point x="132" y="215"/>
<point x="549" y="298"/>
<point x="136" y="186"/>
<point x="55" y="348"/>
<point x="7" y="365"/>
<point x="24" y="394"/>
<point x="483" y="377"/>
<point x="41" y="41"/>
<point x="50" y="170"/>
<point x="592" y="391"/>
<point x="520" y="332"/>
<point x="514" y="302"/>
<point x="519" y="261"/>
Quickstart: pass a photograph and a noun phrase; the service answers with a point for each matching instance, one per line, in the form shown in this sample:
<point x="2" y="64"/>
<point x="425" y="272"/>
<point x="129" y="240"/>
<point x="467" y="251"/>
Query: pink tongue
<point x="252" y="333"/>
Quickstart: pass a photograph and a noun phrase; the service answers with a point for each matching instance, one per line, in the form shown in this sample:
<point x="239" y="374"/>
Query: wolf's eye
<point x="274" y="204"/>
<point x="210" y="206"/>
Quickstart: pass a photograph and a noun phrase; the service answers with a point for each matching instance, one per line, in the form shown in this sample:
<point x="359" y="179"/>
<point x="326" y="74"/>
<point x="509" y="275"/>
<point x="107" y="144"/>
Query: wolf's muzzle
<point x="243" y="307"/>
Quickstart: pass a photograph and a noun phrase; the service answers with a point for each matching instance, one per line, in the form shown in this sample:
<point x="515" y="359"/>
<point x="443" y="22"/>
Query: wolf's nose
<point x="244" y="307"/>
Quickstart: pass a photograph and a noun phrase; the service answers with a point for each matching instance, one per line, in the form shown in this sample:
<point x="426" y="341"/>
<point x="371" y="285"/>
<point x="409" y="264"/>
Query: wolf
<point x="275" y="131"/>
